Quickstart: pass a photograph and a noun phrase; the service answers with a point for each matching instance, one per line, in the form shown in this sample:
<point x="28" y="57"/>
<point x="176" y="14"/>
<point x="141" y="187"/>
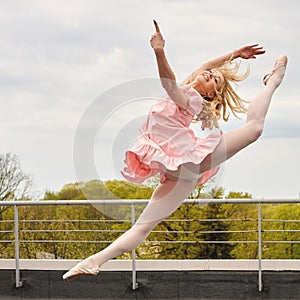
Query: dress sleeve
<point x="195" y="100"/>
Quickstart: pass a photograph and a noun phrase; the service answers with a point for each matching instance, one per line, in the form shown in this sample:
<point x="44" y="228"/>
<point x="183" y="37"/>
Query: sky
<point x="67" y="65"/>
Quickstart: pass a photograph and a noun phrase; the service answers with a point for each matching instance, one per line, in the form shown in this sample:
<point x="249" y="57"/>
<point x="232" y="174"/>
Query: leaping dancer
<point x="167" y="146"/>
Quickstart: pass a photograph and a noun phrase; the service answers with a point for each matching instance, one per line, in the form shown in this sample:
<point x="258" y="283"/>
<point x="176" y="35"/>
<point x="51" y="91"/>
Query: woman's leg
<point x="235" y="140"/>
<point x="165" y="199"/>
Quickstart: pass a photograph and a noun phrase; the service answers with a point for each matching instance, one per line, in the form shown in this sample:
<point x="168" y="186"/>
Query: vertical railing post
<point x="260" y="284"/>
<point x="17" y="256"/>
<point x="134" y="282"/>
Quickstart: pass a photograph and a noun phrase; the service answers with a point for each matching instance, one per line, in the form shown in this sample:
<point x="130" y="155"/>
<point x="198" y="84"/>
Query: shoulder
<point x="195" y="99"/>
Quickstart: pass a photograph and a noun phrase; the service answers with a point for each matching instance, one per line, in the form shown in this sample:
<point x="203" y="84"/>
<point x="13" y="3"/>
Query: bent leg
<point x="235" y="140"/>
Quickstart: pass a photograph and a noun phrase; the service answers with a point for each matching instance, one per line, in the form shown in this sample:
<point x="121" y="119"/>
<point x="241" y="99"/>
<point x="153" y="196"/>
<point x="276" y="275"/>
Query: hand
<point x="247" y="52"/>
<point x="157" y="42"/>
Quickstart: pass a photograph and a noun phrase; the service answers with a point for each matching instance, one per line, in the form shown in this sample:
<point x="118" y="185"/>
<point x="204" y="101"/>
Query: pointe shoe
<point x="280" y="62"/>
<point x="79" y="270"/>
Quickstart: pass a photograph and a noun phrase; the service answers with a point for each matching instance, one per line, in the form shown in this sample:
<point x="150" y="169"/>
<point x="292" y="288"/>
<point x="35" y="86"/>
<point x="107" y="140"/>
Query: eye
<point x="207" y="98"/>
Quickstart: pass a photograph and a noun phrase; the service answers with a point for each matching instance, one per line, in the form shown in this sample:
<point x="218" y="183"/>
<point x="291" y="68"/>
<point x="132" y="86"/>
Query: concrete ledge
<point x="160" y="265"/>
<point x="152" y="285"/>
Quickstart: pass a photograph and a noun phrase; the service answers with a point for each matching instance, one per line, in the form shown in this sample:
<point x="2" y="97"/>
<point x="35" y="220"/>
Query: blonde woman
<point x="167" y="146"/>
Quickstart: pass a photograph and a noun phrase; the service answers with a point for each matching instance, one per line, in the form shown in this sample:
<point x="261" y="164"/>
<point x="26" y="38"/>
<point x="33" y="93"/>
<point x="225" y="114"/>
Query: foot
<point x="277" y="73"/>
<point x="80" y="269"/>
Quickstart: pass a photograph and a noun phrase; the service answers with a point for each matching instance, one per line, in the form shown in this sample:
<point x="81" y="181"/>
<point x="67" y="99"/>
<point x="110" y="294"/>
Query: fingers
<point x="259" y="50"/>
<point x="254" y="46"/>
<point x="156" y="27"/>
<point x="256" y="49"/>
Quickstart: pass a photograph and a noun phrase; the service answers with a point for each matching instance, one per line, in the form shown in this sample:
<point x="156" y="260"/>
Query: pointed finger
<point x="156" y="26"/>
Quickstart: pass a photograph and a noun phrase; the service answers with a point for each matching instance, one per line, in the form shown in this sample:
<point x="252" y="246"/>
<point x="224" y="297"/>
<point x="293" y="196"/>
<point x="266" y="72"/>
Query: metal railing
<point x="133" y="204"/>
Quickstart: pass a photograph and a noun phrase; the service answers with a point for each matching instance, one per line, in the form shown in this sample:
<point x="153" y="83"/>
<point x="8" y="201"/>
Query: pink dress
<point x="165" y="141"/>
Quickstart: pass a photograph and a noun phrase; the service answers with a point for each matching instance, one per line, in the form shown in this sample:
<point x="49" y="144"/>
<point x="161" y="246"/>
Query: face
<point x="208" y="82"/>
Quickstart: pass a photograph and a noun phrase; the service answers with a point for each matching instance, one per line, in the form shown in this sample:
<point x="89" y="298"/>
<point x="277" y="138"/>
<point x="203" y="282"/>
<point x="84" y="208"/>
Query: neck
<point x="198" y="88"/>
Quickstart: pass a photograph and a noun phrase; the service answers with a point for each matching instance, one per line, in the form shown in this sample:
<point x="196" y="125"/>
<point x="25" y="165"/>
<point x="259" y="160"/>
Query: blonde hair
<point x="226" y="97"/>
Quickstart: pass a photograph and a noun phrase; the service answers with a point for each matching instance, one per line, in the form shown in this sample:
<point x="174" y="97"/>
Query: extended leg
<point x="165" y="199"/>
<point x="235" y="140"/>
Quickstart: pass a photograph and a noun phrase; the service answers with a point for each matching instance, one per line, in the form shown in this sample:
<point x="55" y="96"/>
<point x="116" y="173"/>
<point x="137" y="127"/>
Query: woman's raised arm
<point x="245" y="52"/>
<point x="166" y="73"/>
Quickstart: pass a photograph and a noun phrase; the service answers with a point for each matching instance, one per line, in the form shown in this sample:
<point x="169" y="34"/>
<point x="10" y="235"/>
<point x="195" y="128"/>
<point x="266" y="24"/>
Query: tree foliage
<point x="278" y="236"/>
<point x="193" y="231"/>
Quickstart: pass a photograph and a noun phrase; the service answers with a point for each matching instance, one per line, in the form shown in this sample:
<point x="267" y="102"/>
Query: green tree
<point x="72" y="191"/>
<point x="125" y="190"/>
<point x="96" y="190"/>
<point x="179" y="236"/>
<point x="214" y="227"/>
<point x="189" y="239"/>
<point x="244" y="226"/>
<point x="7" y="227"/>
<point x="50" y="195"/>
<point x="88" y="221"/>
<point x="281" y="234"/>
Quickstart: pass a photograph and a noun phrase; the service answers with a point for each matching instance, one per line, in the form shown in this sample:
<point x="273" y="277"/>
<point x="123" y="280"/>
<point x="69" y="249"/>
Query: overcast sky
<point x="58" y="58"/>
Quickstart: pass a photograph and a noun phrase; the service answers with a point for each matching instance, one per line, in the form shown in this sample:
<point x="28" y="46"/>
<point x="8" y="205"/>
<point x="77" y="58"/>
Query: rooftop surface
<point x="45" y="284"/>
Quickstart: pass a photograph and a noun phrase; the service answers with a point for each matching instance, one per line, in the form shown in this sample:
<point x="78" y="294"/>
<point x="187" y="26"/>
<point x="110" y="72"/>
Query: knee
<point x="255" y="130"/>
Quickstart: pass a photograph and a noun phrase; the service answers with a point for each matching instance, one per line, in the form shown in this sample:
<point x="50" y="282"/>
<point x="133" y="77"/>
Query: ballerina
<point x="167" y="146"/>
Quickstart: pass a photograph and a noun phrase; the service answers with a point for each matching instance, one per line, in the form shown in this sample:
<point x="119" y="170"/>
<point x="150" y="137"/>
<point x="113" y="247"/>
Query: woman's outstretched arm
<point x="166" y="73"/>
<point x="245" y="52"/>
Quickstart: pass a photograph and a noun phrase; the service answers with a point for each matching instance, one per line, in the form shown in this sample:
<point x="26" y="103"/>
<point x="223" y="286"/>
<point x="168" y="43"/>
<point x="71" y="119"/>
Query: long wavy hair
<point x="217" y="108"/>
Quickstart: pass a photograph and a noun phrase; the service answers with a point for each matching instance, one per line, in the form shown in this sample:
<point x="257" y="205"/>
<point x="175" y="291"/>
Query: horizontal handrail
<point x="145" y="201"/>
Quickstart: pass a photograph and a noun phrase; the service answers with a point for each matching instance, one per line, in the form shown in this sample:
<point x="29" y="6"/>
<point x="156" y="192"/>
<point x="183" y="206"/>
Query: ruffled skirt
<point x="147" y="159"/>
